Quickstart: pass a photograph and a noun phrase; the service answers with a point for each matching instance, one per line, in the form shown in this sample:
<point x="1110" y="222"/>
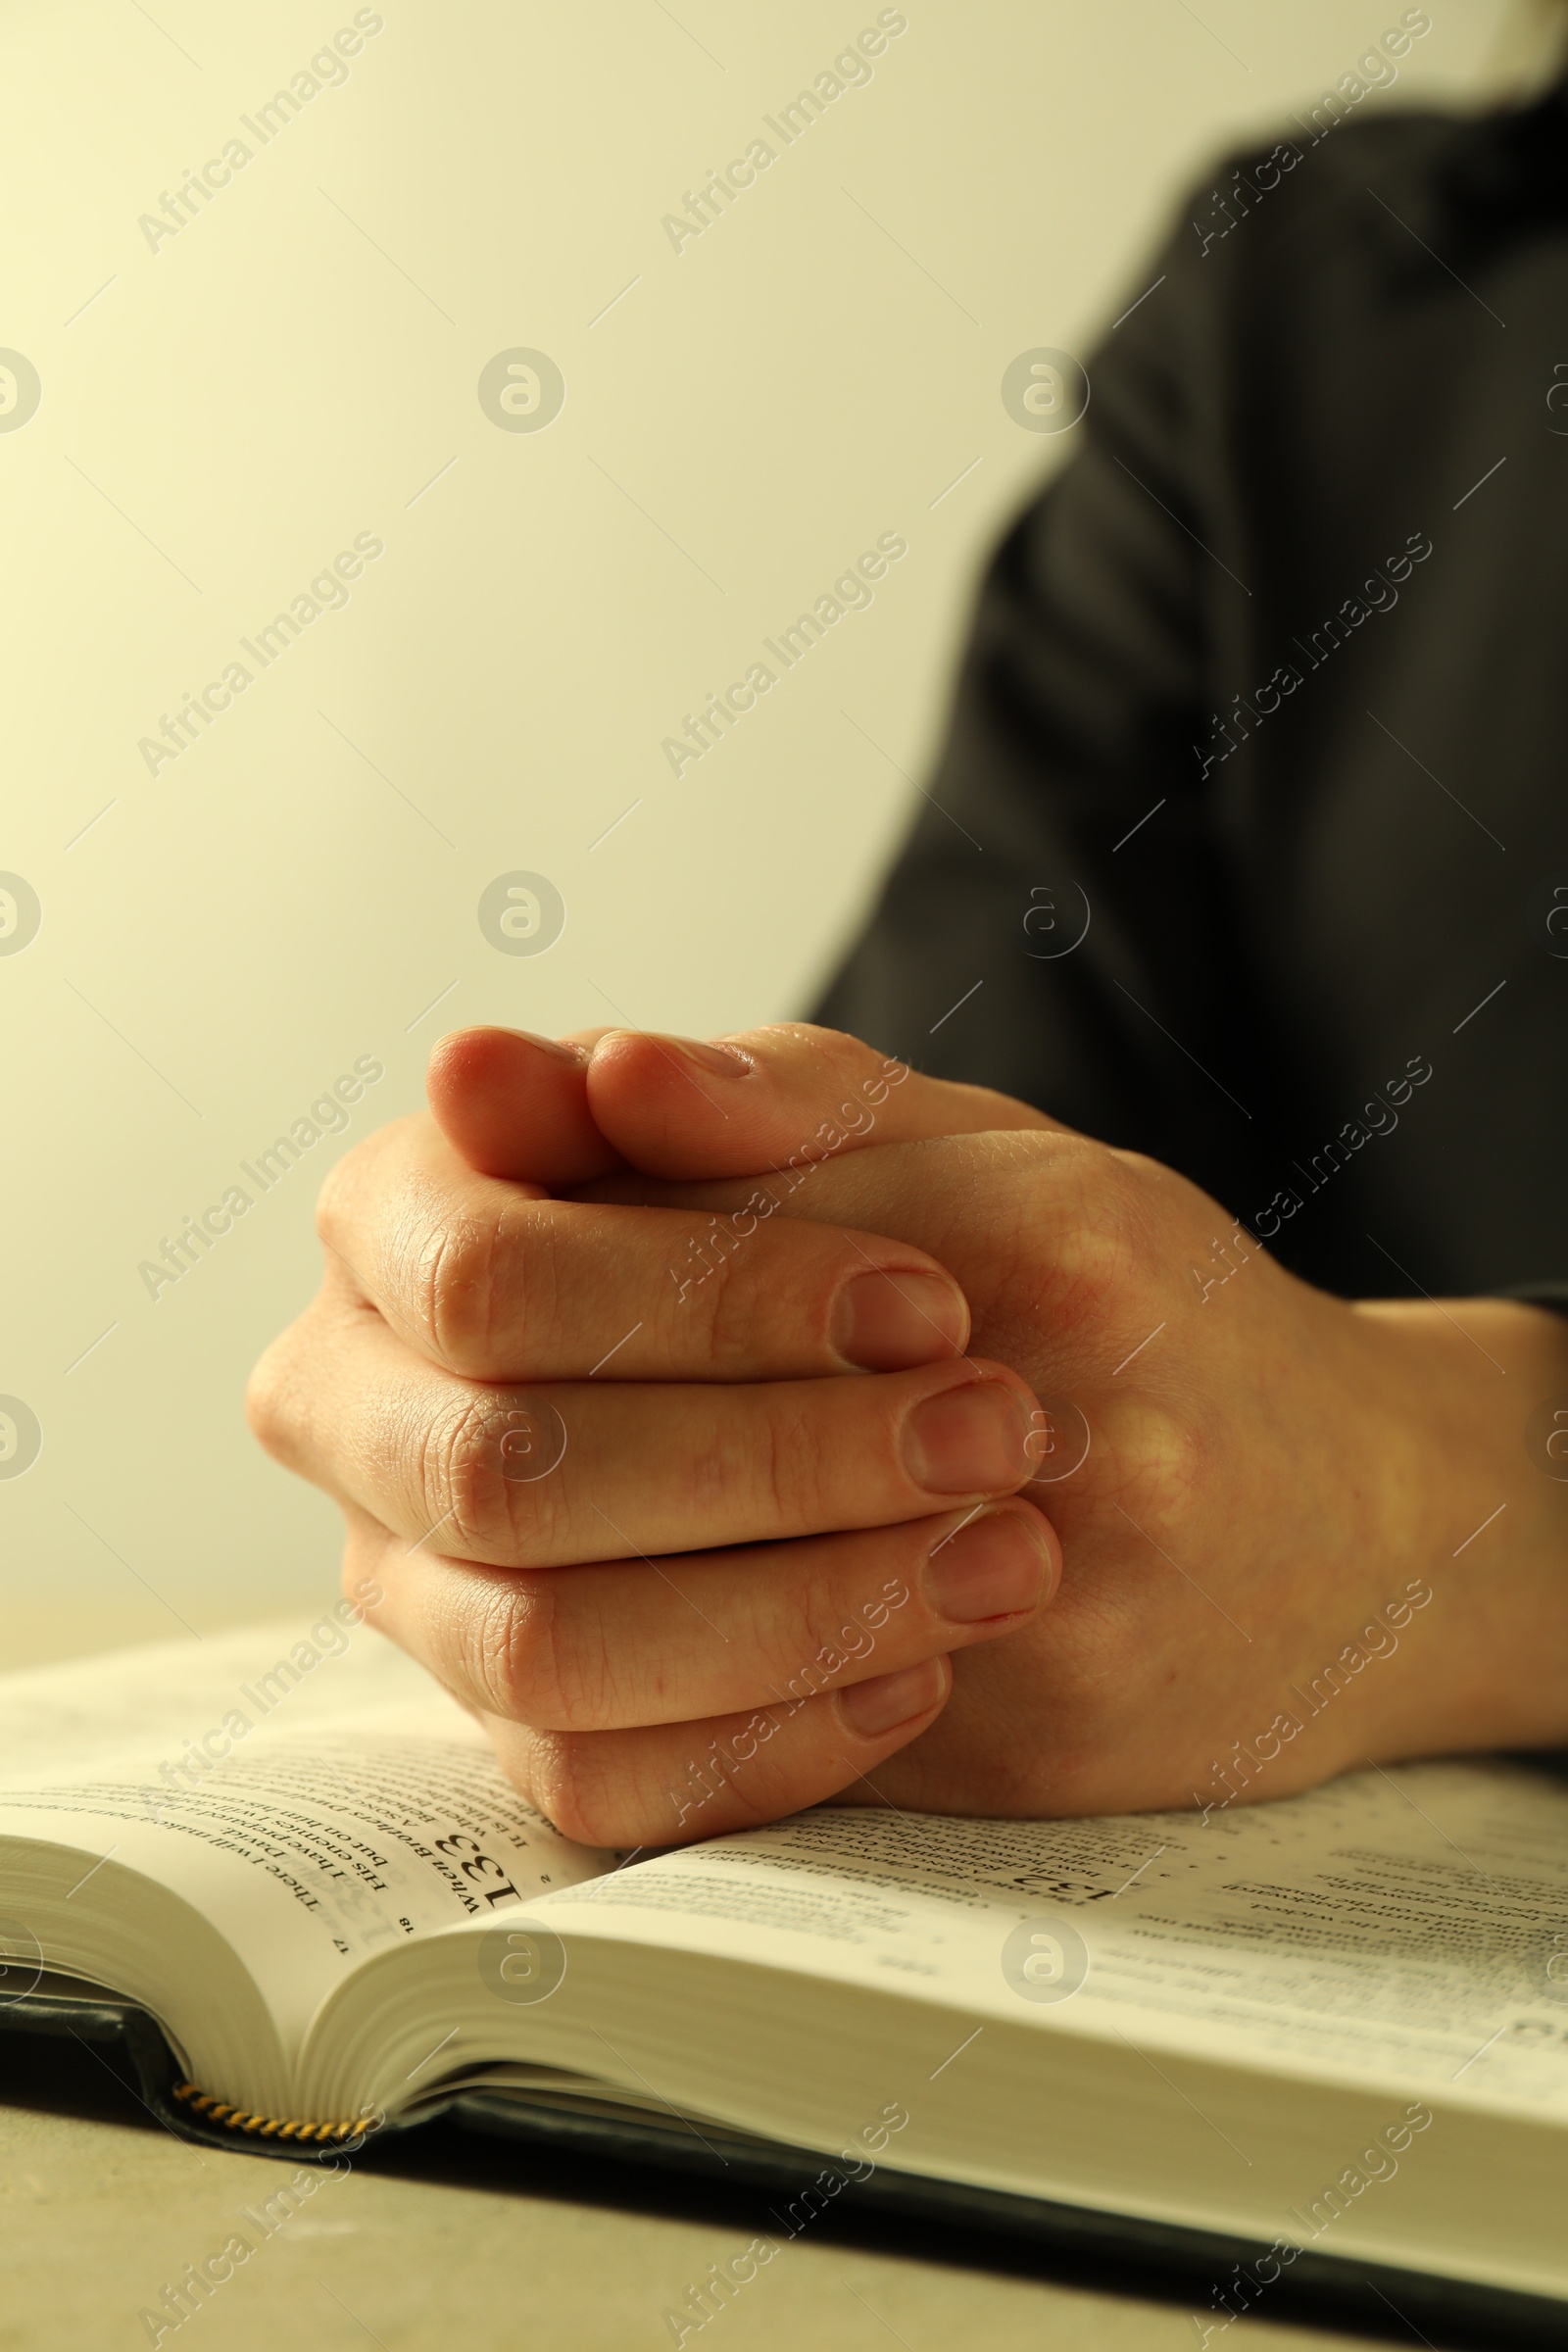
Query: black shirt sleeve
<point x="1059" y="924"/>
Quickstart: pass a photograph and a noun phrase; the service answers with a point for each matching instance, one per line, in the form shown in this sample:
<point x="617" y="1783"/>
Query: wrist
<point x="1469" y="1502"/>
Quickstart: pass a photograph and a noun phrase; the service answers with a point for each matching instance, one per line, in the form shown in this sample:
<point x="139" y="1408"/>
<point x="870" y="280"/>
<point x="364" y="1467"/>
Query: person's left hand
<point x="701" y="1550"/>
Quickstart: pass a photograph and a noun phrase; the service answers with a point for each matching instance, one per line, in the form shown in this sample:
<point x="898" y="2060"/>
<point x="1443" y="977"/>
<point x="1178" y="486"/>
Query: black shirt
<point x="1303" y="591"/>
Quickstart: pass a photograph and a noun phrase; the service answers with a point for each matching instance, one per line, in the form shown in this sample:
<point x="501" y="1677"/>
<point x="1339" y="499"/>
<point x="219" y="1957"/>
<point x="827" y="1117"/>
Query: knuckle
<point x="450" y="1267"/>
<point x="1093" y="1266"/>
<point x="271" y="1398"/>
<point x="462" y="1271"/>
<point x="790" y="1467"/>
<point x="1090" y="1256"/>
<point x="452" y="1493"/>
<point x="463" y="1487"/>
<point x="575" y="1784"/>
<point x="1169" y="1460"/>
<point x="739" y="1467"/>
<point x="515" y="1652"/>
<point x="728" y="1300"/>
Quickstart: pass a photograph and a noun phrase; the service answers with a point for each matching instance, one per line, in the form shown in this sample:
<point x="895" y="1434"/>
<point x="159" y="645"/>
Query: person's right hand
<point x="786" y="1491"/>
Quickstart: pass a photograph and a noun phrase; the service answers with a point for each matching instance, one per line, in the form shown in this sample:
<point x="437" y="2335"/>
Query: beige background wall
<point x="224" y="409"/>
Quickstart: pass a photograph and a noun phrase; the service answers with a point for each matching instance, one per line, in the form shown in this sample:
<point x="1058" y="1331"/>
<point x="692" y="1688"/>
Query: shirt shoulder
<point x="1341" y="184"/>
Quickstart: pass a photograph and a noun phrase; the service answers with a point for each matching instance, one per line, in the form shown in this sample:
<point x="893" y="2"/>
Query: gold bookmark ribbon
<point x="270" y="2126"/>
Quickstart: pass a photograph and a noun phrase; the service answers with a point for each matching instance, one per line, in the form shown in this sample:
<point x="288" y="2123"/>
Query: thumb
<point x="517" y="1105"/>
<point x="674" y="1108"/>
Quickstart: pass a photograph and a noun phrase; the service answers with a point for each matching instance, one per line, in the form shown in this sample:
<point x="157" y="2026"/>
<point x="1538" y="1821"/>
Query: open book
<point x="1335" y="2026"/>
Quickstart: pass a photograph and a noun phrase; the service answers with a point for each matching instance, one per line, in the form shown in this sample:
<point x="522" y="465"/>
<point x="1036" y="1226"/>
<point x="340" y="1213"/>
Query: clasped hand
<point x="732" y="1427"/>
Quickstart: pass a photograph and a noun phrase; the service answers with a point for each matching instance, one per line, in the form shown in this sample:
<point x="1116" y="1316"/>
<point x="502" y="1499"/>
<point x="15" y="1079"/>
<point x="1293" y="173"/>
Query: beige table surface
<point x="100" y="2207"/>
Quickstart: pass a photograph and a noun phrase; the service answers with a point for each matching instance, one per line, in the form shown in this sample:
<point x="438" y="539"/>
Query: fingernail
<point x="725" y="1062"/>
<point x="880" y="1705"/>
<point x="992" y="1567"/>
<point x="968" y="1440"/>
<point x="551" y="1045"/>
<point x="888" y="1322"/>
